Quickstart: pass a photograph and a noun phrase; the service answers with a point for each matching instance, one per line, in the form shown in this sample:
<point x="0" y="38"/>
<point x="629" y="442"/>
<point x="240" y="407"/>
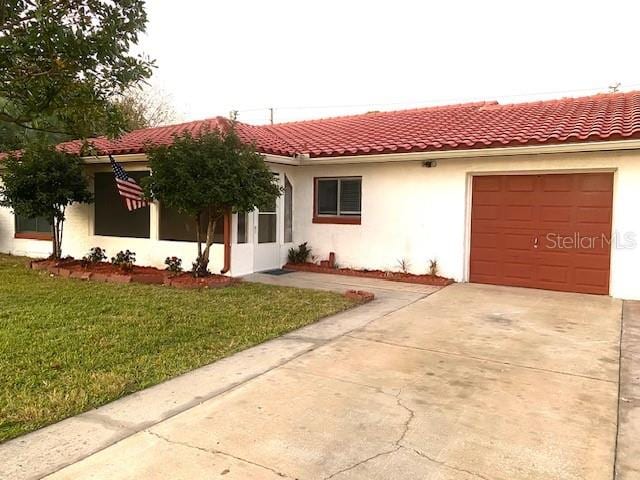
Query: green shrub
<point x="124" y="260"/>
<point x="300" y="254"/>
<point x="95" y="255"/>
<point x="174" y="265"/>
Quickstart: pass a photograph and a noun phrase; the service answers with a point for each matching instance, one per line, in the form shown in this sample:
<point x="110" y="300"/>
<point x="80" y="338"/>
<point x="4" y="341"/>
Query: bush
<point x="174" y="265"/>
<point x="95" y="255"/>
<point x="124" y="260"/>
<point x="300" y="254"/>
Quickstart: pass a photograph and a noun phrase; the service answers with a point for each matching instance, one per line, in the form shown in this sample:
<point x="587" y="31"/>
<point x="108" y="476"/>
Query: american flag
<point x="128" y="189"/>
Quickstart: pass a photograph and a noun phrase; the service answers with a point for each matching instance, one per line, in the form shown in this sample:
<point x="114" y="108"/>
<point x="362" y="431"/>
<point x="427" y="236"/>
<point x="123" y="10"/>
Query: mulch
<point x="106" y="272"/>
<point x="380" y="274"/>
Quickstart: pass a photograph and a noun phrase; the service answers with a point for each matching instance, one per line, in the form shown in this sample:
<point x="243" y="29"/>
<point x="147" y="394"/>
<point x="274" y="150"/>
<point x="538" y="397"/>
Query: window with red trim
<point x="38" y="228"/>
<point x="338" y="200"/>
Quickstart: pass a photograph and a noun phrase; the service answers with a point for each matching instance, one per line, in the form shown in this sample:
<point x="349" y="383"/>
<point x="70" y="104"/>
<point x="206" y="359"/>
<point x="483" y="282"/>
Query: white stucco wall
<point x="418" y="213"/>
<point x="78" y="238"/>
<point x="408" y="211"/>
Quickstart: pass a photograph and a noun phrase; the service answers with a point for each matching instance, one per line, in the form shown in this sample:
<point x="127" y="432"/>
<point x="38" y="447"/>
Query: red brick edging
<point x="359" y="296"/>
<point x="162" y="278"/>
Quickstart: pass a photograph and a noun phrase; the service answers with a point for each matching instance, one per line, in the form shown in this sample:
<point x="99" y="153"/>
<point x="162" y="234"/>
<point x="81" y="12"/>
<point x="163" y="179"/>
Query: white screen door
<point x="267" y="237"/>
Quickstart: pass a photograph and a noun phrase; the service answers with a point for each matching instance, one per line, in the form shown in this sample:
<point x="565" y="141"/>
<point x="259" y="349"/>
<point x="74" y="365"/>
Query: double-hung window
<point x="338" y="200"/>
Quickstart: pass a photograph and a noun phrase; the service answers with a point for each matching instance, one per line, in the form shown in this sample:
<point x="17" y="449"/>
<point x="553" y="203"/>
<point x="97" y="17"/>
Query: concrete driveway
<point x="472" y="382"/>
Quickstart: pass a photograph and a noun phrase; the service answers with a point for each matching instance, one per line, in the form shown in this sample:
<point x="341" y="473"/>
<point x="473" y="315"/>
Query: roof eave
<point x="598" y="146"/>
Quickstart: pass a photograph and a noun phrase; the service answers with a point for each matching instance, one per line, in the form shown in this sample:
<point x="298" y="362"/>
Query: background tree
<point x="207" y="176"/>
<point x="62" y="62"/>
<point x="42" y="183"/>
<point x="145" y="108"/>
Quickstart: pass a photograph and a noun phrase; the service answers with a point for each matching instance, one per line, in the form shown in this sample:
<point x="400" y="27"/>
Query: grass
<point x="67" y="346"/>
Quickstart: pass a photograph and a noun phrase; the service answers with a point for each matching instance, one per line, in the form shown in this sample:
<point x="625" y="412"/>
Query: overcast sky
<point x="310" y="59"/>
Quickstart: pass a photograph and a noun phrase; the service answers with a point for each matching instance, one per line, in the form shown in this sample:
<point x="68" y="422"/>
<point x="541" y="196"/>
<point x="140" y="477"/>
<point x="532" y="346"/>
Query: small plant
<point x="300" y="254"/>
<point x="124" y="260"/>
<point x="174" y="265"/>
<point x="404" y="265"/>
<point x="95" y="255"/>
<point x="433" y="267"/>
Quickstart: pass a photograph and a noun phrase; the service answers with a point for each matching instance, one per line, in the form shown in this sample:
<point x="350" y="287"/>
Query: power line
<point x="430" y="101"/>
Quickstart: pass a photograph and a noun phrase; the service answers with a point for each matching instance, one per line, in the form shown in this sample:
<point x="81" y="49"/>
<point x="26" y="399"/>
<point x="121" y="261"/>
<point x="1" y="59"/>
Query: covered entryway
<point x="549" y="231"/>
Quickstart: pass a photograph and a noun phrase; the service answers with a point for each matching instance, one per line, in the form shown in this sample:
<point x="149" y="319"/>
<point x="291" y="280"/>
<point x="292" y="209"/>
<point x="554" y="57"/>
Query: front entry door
<point x="267" y="237"/>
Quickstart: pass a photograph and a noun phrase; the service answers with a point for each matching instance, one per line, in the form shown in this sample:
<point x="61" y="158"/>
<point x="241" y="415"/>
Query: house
<point x="543" y="194"/>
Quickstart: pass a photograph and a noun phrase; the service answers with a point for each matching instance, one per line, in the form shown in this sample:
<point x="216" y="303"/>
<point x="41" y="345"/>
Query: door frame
<point x="558" y="171"/>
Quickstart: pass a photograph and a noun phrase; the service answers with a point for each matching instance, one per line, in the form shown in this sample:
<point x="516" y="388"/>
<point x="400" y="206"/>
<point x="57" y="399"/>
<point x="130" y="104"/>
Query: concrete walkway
<point x="470" y="382"/>
<point x="45" y="451"/>
<point x="628" y="454"/>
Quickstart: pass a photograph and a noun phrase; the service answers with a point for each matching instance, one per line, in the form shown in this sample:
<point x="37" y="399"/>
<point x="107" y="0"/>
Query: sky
<point x="311" y="59"/>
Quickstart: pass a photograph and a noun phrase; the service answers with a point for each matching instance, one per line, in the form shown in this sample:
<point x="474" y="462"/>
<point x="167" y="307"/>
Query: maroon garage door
<point x="542" y="231"/>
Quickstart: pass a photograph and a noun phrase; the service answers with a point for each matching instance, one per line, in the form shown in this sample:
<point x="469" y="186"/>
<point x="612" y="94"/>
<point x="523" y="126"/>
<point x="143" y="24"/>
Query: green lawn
<point x="67" y="346"/>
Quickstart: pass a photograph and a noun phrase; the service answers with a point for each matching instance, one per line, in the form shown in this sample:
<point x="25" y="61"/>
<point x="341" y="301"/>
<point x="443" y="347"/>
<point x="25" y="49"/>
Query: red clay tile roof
<point x="614" y="116"/>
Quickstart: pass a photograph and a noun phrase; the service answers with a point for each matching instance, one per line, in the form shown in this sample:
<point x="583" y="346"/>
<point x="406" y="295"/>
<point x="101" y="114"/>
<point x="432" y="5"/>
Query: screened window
<point x="288" y="211"/>
<point x="182" y="228"/>
<point x="339" y="197"/>
<point x="39" y="226"/>
<point x="242" y="227"/>
<point x="112" y="218"/>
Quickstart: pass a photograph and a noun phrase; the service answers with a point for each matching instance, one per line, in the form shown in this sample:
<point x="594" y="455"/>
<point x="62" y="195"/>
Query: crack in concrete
<point x="362" y="462"/>
<point x="481" y="359"/>
<point x="444" y="464"/>
<point x="216" y="452"/>
<point x="396" y="443"/>
<point x="412" y="415"/>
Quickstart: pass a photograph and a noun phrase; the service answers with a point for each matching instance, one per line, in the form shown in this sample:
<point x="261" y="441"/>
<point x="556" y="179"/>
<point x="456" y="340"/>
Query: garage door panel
<point x="514" y="271"/>
<point x="522" y="213"/>
<point x="595" y="182"/>
<point x="484" y="269"/>
<point x="487" y="184"/>
<point x="556" y="183"/>
<point x="570" y="215"/>
<point x="518" y="241"/>
<point x="592" y="259"/>
<point x="519" y="183"/>
<point x="593" y="215"/>
<point x="485" y="239"/>
<point x="555" y="274"/>
<point x="594" y="279"/>
<point x="592" y="199"/>
<point x="555" y="213"/>
<point x="487" y="212"/>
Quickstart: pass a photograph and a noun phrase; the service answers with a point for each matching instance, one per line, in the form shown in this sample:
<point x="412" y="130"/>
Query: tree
<point x="206" y="177"/>
<point x="63" y="61"/>
<point x="15" y="137"/>
<point x="42" y="182"/>
<point x="144" y="109"/>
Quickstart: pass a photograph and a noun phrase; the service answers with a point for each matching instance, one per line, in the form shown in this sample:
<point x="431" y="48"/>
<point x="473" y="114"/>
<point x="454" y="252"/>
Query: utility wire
<point x="431" y="101"/>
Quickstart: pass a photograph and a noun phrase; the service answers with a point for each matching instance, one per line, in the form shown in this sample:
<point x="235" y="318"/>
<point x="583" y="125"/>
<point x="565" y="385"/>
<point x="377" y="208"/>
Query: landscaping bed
<point x="107" y="272"/>
<point x="392" y="276"/>
<point x="68" y="346"/>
